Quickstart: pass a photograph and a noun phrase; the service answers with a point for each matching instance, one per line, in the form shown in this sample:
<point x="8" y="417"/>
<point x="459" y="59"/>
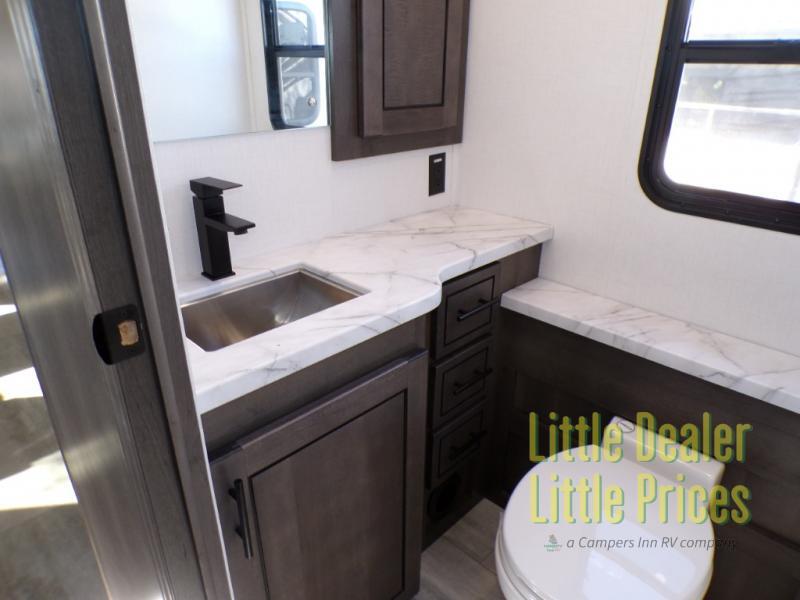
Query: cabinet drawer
<point x="468" y="310"/>
<point x="456" y="443"/>
<point x="461" y="381"/>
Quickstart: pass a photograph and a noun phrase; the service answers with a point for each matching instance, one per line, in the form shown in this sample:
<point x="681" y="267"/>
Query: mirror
<point x="220" y="67"/>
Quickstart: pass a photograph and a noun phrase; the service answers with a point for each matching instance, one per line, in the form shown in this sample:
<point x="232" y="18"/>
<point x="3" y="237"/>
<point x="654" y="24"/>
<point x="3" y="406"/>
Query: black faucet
<point x="214" y="225"/>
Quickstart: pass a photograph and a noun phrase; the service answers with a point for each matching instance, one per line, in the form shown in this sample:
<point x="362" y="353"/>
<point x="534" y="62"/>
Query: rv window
<point x="723" y="133"/>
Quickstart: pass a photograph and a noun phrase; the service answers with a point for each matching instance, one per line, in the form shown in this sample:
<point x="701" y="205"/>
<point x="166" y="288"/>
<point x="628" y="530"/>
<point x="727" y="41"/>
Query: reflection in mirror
<point x="220" y="67"/>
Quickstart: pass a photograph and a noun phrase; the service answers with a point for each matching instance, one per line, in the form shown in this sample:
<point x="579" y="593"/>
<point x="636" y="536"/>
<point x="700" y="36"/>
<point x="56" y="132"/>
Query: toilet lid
<point x="576" y="561"/>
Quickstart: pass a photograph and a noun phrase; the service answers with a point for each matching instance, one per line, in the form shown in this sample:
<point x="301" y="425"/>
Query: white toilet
<point x="534" y="561"/>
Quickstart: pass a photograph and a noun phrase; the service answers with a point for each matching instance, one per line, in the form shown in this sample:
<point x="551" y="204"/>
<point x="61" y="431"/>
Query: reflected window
<point x="295" y="56"/>
<point x="723" y="133"/>
<point x="222" y="67"/>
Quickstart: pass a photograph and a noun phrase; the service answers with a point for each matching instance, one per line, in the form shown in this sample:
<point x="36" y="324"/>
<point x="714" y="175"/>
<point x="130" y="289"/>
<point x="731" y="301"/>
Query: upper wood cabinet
<point x="398" y="75"/>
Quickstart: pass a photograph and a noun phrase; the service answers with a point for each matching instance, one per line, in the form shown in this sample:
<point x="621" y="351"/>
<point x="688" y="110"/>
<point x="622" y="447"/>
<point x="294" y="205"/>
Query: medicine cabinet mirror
<point x="220" y="67"/>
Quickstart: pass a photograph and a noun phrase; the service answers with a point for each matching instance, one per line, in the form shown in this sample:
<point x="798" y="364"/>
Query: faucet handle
<point x="211" y="187"/>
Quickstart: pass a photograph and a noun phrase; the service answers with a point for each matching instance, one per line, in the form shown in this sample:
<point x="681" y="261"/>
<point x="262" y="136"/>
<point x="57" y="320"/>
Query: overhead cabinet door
<point x="397" y="75"/>
<point x="411" y="65"/>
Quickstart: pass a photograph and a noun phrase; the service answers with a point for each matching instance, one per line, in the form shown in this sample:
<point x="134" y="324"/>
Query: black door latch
<point x="118" y="334"/>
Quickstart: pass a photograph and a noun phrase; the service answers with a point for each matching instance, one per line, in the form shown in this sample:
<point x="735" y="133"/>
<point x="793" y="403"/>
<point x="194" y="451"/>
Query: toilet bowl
<point x="658" y="559"/>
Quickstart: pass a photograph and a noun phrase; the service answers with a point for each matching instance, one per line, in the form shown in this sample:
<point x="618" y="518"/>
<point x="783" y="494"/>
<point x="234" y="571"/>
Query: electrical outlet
<point x="436" y="173"/>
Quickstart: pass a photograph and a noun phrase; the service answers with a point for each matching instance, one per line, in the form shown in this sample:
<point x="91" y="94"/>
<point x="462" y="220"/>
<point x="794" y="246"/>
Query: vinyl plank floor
<point x="5" y="291"/>
<point x="49" y="556"/>
<point x="13" y="349"/>
<point x="45" y="552"/>
<point x="448" y="573"/>
<point x="460" y="565"/>
<point x="489" y="564"/>
<point x="26" y="434"/>
<point x="476" y="532"/>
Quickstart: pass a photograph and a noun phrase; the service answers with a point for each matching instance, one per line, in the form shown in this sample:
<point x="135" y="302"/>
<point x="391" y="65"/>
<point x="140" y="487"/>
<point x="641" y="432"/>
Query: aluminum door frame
<point x="50" y="267"/>
<point x="112" y="47"/>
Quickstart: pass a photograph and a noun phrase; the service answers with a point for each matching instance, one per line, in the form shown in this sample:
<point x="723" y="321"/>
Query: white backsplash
<point x="292" y="190"/>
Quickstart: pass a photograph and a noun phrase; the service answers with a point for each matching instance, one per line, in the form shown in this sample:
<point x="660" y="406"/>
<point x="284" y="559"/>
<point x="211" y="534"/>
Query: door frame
<point x="81" y="232"/>
<point x="115" y="63"/>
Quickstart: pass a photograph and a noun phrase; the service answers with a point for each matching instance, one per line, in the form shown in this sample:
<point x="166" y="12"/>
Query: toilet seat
<point x="532" y="565"/>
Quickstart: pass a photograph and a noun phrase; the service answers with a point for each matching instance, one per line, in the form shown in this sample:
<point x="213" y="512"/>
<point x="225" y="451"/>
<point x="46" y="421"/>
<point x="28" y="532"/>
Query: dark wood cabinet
<point x="397" y="76"/>
<point x="327" y="502"/>
<point x="462" y="407"/>
<point x="320" y="477"/>
<point x="461" y="396"/>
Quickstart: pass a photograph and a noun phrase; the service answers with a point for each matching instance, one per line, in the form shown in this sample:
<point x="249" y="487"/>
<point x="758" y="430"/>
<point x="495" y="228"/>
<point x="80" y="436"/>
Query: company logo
<point x="552" y="544"/>
<point x="592" y="500"/>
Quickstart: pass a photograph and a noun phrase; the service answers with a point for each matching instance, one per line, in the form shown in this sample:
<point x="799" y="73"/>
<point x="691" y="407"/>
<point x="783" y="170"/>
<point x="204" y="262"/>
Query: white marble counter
<point x="399" y="265"/>
<point x="745" y="367"/>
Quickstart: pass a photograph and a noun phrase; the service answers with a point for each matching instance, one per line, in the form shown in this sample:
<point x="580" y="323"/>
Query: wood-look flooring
<point x="460" y="565"/>
<point x="45" y="551"/>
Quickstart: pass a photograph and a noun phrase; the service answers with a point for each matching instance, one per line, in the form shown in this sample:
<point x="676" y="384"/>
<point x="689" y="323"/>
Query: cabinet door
<point x="411" y="59"/>
<point x="398" y="72"/>
<point x="330" y="517"/>
<point x="329" y="501"/>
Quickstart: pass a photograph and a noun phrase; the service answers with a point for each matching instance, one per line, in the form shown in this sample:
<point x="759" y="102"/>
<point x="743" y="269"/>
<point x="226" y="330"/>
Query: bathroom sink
<point x="225" y="319"/>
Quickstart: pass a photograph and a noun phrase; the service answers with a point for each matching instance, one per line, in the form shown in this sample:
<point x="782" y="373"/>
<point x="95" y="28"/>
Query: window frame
<point x="674" y="53"/>
<point x="273" y="52"/>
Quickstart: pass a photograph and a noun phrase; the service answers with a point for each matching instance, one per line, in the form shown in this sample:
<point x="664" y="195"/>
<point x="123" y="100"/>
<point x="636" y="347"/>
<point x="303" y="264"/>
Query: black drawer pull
<point x="460" y="388"/>
<point x="243" y="529"/>
<point x="483" y="305"/>
<point x="457" y="452"/>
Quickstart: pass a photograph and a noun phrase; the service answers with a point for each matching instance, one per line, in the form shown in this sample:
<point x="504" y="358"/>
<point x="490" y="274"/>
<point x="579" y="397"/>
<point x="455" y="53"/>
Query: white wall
<point x="194" y="59"/>
<point x="557" y="96"/>
<point x="292" y="190"/>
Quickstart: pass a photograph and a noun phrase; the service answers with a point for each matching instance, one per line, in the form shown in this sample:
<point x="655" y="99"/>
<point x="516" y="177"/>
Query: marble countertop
<point x="400" y="267"/>
<point x="748" y="368"/>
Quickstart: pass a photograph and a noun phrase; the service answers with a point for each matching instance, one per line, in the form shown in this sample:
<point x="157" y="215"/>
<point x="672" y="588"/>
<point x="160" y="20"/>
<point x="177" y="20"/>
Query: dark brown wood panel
<point x="519" y="268"/>
<point x="449" y="501"/>
<point x="414" y="43"/>
<point x="544" y="368"/>
<point x="360" y="123"/>
<point x="452" y="492"/>
<point x="411" y="58"/>
<point x="760" y="566"/>
<point x="347" y="544"/>
<point x="325" y="489"/>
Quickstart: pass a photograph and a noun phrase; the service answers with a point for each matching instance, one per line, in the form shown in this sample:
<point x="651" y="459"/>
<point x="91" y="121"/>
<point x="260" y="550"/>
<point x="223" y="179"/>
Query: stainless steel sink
<point x="234" y="316"/>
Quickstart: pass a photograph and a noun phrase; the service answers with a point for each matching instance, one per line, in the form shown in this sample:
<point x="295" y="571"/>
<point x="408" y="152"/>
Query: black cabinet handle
<point x="457" y="452"/>
<point x="243" y="529"/>
<point x="483" y="305"/>
<point x="460" y="388"/>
